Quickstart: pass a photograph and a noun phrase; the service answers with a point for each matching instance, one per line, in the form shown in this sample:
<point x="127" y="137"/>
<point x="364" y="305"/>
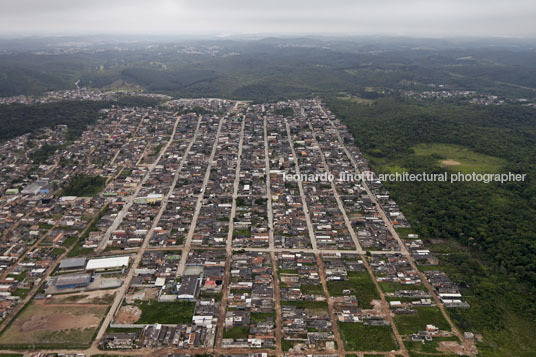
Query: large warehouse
<point x="72" y="264"/>
<point x="112" y="263"/>
<point x="72" y="281"/>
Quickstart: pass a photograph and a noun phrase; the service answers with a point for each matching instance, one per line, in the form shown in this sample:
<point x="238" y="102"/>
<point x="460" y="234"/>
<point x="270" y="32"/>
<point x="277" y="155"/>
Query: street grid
<point x="304" y="112"/>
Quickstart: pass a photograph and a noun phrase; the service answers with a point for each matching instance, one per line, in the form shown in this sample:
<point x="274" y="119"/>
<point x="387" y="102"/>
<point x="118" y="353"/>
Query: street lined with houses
<point x="194" y="241"/>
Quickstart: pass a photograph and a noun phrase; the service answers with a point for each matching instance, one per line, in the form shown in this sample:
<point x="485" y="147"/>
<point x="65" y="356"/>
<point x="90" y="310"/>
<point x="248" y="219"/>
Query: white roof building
<point x="108" y="263"/>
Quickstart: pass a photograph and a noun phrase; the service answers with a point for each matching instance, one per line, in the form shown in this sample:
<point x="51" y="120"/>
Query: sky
<point x="422" y="18"/>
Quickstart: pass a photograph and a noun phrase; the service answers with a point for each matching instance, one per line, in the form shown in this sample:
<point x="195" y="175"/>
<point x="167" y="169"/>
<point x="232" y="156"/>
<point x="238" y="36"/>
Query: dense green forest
<point x="18" y="119"/>
<point x="495" y="220"/>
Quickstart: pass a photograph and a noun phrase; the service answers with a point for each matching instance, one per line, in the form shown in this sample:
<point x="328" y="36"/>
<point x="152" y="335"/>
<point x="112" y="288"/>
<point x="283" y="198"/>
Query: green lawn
<point x="413" y="323"/>
<point x="360" y="337"/>
<point x="360" y="284"/>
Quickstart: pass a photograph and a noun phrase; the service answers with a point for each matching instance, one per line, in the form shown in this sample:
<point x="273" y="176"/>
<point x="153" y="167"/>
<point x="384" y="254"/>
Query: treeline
<point x="19" y="119"/>
<point x="495" y="220"/>
<point x="84" y="186"/>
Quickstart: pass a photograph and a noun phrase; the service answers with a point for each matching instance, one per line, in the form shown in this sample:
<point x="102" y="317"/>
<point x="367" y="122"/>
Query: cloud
<point x="174" y="17"/>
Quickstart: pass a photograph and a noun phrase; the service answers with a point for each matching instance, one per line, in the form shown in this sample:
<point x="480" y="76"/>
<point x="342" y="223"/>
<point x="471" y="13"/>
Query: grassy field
<point x="54" y="326"/>
<point x="360" y="337"/>
<point x="459" y="158"/>
<point x="360" y="284"/>
<point x="236" y="332"/>
<point x="357" y="100"/>
<point x="391" y="287"/>
<point x="312" y="289"/>
<point x="426" y="347"/>
<point x="453" y="157"/>
<point x="413" y="323"/>
<point x="315" y="306"/>
<point x="165" y="312"/>
<point x="256" y="317"/>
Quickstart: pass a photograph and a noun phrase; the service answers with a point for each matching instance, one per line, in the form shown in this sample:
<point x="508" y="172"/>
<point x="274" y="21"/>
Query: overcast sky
<point x="429" y="18"/>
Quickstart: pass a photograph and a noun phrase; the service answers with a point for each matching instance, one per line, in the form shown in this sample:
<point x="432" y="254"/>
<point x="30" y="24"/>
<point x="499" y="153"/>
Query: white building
<point x="108" y="263"/>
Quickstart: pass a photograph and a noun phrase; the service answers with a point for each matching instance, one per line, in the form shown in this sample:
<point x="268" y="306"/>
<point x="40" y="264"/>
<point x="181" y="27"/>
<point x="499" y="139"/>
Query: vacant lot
<point x="313" y="307"/>
<point x="360" y="337"/>
<point x="128" y="314"/>
<point x="360" y="284"/>
<point x="413" y="323"/>
<point x="391" y="287"/>
<point x="100" y="297"/>
<point x="54" y="325"/>
<point x="165" y="312"/>
<point x="236" y="332"/>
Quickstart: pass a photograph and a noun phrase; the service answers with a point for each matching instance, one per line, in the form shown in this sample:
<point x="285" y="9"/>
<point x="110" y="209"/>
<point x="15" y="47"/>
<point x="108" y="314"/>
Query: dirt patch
<point x="58" y="322"/>
<point x="128" y="314"/>
<point x="376" y="304"/>
<point x="151" y="294"/>
<point x="450" y="163"/>
<point x="450" y="347"/>
<point x="103" y="297"/>
<point x="144" y="295"/>
<point x="55" y="323"/>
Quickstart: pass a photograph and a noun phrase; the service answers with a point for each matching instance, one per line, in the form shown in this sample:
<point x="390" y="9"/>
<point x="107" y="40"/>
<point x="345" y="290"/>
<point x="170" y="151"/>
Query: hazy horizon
<point x="414" y="18"/>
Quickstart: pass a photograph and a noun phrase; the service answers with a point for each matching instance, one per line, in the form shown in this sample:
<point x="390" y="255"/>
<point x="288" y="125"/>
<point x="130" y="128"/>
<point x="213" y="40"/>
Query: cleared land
<point x="460" y="158"/>
<point x="54" y="325"/>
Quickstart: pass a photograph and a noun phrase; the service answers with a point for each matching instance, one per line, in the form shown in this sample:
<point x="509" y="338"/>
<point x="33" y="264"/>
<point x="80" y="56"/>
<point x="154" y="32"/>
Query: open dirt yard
<point x="54" y="324"/>
<point x="128" y="314"/>
<point x="146" y="294"/>
<point x="90" y="297"/>
<point x="450" y="347"/>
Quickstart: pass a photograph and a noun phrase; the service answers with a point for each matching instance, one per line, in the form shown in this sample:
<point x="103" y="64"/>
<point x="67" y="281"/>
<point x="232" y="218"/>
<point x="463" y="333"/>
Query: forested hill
<point x="19" y="119"/>
<point x="274" y="68"/>
<point x="496" y="221"/>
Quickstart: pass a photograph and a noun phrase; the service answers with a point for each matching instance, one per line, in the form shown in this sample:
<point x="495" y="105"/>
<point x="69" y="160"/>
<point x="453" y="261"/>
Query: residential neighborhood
<point x="172" y="230"/>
